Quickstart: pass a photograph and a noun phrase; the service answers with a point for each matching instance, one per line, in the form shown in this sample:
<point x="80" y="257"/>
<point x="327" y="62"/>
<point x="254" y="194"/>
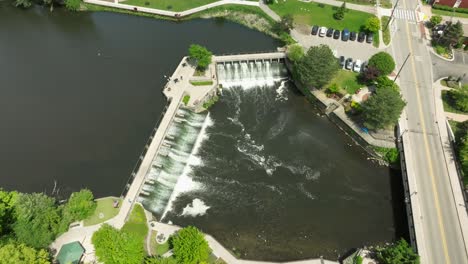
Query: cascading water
<point x="168" y="175"/>
<point x="250" y="74"/>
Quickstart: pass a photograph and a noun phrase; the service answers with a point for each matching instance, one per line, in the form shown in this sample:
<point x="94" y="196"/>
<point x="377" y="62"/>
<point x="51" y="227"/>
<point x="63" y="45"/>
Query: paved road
<point x="443" y="68"/>
<point x="439" y="233"/>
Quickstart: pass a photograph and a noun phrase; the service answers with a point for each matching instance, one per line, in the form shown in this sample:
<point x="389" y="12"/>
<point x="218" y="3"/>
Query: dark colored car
<point x="315" y="30"/>
<point x="329" y="32"/>
<point x="349" y="64"/>
<point x="345" y="35"/>
<point x="370" y="37"/>
<point x="342" y="61"/>
<point x="361" y="37"/>
<point x="336" y="34"/>
<point x="352" y="36"/>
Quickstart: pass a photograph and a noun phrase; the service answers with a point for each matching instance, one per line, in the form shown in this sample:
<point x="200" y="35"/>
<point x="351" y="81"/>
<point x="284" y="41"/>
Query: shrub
<point x="451" y="9"/>
<point x="460" y="99"/>
<point x="23" y="3"/>
<point x="435" y="20"/>
<point x="372" y="24"/>
<point x="358" y="260"/>
<point x="383" y="62"/>
<point x="400" y="252"/>
<point x="295" y="53"/>
<point x="190" y="246"/>
<point x="73" y="5"/>
<point x="186" y="99"/>
<point x="441" y="50"/>
<point x="333" y="89"/>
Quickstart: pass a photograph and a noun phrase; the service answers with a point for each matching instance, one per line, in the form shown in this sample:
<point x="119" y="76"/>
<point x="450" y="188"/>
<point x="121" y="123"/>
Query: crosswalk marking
<point x="409" y="15"/>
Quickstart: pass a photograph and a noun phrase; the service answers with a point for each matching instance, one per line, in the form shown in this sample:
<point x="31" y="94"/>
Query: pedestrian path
<point x="405" y="14"/>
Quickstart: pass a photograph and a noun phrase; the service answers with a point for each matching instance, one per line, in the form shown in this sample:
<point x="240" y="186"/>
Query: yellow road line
<point x="426" y="145"/>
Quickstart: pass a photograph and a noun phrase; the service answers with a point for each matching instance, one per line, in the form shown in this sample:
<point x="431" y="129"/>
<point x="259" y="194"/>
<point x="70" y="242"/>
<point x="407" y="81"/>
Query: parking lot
<point x="350" y="49"/>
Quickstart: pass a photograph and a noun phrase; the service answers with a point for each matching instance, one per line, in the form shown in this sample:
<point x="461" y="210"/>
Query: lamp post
<point x="391" y="16"/>
<point x="398" y="74"/>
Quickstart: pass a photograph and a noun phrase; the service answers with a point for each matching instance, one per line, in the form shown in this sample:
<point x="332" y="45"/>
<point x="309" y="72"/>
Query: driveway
<point x="457" y="67"/>
<point x="353" y="49"/>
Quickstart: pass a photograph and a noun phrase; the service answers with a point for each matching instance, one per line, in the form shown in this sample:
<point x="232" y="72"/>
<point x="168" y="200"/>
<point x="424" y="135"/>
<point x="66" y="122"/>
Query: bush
<point x="400" y="252"/>
<point x="435" y="20"/>
<point x="190" y="246"/>
<point x="73" y="5"/>
<point x="441" y="50"/>
<point x="383" y="62"/>
<point x="372" y="24"/>
<point x="333" y="89"/>
<point x="460" y="99"/>
<point x="23" y="3"/>
<point x="295" y="53"/>
<point x="358" y="260"/>
<point x="451" y="9"/>
<point x="186" y="99"/>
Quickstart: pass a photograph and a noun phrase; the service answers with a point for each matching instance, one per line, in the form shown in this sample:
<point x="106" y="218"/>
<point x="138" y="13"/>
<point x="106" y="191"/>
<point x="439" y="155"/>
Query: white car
<point x="322" y="31"/>
<point x="357" y="66"/>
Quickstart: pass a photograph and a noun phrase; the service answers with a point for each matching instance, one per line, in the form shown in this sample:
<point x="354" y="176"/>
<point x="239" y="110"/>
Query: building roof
<point x="70" y="253"/>
<point x="451" y="3"/>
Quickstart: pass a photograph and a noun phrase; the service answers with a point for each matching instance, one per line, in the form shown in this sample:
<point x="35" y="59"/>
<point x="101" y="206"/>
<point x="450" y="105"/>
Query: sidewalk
<point x="456" y="117"/>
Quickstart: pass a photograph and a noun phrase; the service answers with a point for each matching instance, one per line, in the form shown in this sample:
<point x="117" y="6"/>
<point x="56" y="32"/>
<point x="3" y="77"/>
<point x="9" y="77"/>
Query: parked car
<point x="342" y="61"/>
<point x="357" y="66"/>
<point x="345" y="35"/>
<point x="322" y="31"/>
<point x="349" y="63"/>
<point x="361" y="36"/>
<point x="336" y="34"/>
<point x="329" y="32"/>
<point x="352" y="36"/>
<point x="315" y="30"/>
<point x="370" y="37"/>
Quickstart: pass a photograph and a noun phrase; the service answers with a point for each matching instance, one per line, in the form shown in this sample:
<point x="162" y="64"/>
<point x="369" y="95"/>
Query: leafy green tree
<point x="12" y="253"/>
<point x="201" y="55"/>
<point x="459" y="97"/>
<point x="37" y="219"/>
<point x="23" y="3"/>
<point x="284" y="25"/>
<point x="190" y="246"/>
<point x="7" y="202"/>
<point x="73" y="5"/>
<point x="452" y="35"/>
<point x="372" y="24"/>
<point x="80" y="205"/>
<point x="383" y="82"/>
<point x="398" y="253"/>
<point x="435" y="20"/>
<point x="295" y="52"/>
<point x="316" y="67"/>
<point x="383" y="62"/>
<point x="117" y="247"/>
<point x="383" y="108"/>
<point x="340" y="12"/>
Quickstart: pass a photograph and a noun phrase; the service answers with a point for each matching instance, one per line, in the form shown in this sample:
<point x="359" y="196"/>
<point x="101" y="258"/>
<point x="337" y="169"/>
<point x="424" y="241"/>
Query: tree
<point x="284" y="25"/>
<point x="295" y="52"/>
<point x="369" y="75"/>
<point x="383" y="108"/>
<point x="459" y="97"/>
<point x="398" y="253"/>
<point x="23" y="3"/>
<point x="383" y="62"/>
<point x="80" y="205"/>
<point x="22" y="254"/>
<point x="372" y="24"/>
<point x="7" y="202"/>
<point x="37" y="219"/>
<point x="190" y="246"/>
<point x="435" y="20"/>
<point x="317" y="67"/>
<point x="383" y="82"/>
<point x="160" y="260"/>
<point x="117" y="247"/>
<point x="340" y="12"/>
<point x="73" y="5"/>
<point x="452" y="34"/>
<point x="201" y="55"/>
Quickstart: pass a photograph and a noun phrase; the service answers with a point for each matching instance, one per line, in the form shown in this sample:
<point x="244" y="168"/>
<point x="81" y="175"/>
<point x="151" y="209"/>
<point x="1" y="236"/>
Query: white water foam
<point x="185" y="183"/>
<point x="196" y="208"/>
<point x="281" y="94"/>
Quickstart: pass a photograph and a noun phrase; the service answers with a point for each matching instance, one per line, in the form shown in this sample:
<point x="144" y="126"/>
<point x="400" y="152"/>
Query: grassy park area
<point x="104" y="211"/>
<point x="385" y="32"/>
<point x="136" y="224"/>
<point x="170" y="5"/>
<point x="320" y="14"/>
<point x="346" y="81"/>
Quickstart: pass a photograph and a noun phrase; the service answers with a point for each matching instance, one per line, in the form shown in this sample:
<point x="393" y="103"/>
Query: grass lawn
<point x="171" y="5"/>
<point x="385" y="33"/>
<point x="448" y="13"/>
<point x="201" y="83"/>
<point x="346" y="81"/>
<point x="320" y="14"/>
<point x="136" y="223"/>
<point x="104" y="211"/>
<point x="157" y="249"/>
<point x="448" y="104"/>
<point x="376" y="41"/>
